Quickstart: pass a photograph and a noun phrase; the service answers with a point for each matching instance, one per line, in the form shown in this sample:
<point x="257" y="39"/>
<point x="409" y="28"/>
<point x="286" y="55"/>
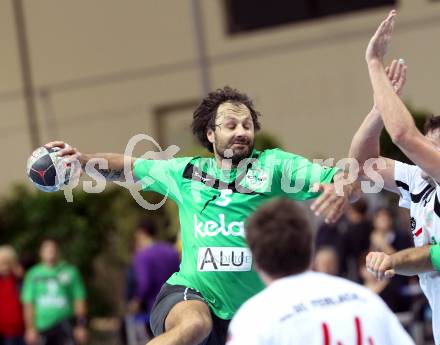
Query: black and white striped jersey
<point x="423" y="199"/>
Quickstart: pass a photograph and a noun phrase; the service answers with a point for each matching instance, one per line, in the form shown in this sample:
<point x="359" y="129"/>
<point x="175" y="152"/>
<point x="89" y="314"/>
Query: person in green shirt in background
<point x="54" y="298"/>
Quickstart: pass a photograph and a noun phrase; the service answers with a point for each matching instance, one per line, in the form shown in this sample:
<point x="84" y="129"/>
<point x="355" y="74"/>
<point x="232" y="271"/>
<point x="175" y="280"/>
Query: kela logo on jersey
<point x="256" y="178"/>
<point x="213" y="228"/>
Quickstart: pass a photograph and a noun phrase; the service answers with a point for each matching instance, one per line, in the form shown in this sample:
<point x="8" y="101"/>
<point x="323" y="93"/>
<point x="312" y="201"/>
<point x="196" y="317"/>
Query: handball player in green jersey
<point x="215" y="196"/>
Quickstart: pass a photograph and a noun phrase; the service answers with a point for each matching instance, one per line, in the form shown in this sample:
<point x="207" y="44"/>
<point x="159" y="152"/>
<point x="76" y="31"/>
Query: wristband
<point x="434" y="251"/>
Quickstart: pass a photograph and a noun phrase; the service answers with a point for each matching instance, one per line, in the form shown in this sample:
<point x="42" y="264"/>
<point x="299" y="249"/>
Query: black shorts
<point x="59" y="334"/>
<point x="168" y="297"/>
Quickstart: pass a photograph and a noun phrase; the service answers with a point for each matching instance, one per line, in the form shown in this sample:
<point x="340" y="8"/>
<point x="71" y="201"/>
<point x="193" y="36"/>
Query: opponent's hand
<point x="381" y="265"/>
<point x="69" y="153"/>
<point x="396" y="73"/>
<point x="379" y="43"/>
<point x="330" y="204"/>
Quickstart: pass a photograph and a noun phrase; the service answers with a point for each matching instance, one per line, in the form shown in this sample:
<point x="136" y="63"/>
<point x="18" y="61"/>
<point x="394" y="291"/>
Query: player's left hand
<point x="330" y="204"/>
<point x="379" y="43"/>
<point x="380" y="264"/>
<point x="396" y="73"/>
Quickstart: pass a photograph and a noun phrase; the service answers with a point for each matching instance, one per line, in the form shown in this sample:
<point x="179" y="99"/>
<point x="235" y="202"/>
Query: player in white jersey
<point x="300" y="306"/>
<point x="417" y="185"/>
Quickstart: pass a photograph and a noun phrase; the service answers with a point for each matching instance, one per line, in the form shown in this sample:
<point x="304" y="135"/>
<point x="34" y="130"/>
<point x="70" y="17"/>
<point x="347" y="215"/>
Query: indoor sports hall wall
<point x="104" y="70"/>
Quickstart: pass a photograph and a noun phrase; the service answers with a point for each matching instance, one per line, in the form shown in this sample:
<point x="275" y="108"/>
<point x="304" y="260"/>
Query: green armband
<point x="434" y="251"/>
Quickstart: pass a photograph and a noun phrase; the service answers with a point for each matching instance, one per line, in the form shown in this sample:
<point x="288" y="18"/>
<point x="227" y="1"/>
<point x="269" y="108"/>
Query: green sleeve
<point x="296" y="175"/>
<point x="78" y="289"/>
<point x="27" y="291"/>
<point x="434" y="251"/>
<point x="161" y="176"/>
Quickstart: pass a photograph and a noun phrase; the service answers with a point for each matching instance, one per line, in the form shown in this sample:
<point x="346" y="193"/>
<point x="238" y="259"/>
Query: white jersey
<point x="316" y="309"/>
<point x="423" y="201"/>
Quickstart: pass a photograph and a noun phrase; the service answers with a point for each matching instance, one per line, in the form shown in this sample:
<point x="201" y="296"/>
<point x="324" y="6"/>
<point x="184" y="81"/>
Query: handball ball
<point x="47" y="171"/>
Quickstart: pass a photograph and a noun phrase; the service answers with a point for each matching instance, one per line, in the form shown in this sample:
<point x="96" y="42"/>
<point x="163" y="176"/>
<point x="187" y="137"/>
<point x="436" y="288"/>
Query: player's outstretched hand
<point x="379" y="43"/>
<point x="329" y="204"/>
<point x="396" y="73"/>
<point x="69" y="153"/>
<point x="381" y="265"/>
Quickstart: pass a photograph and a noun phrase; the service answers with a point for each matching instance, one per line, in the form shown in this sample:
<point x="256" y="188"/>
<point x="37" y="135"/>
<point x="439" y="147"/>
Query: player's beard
<point x="238" y="154"/>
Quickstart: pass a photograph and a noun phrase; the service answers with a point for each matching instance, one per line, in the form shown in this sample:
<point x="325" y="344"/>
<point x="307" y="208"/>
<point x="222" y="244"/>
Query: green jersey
<point x="52" y="291"/>
<point x="214" y="204"/>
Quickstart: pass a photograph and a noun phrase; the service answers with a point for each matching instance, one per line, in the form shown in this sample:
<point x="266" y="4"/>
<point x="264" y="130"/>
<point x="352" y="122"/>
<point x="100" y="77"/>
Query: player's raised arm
<point x="113" y="170"/>
<point x="365" y="144"/>
<point x="396" y="117"/>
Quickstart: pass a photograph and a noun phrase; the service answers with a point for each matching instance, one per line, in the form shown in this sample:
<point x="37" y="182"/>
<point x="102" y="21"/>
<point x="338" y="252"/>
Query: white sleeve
<point x="244" y="329"/>
<point x="397" y="334"/>
<point x="404" y="178"/>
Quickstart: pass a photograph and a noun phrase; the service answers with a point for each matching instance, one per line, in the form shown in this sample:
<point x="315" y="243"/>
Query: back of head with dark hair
<point x="280" y="238"/>
<point x="205" y="114"/>
<point x="431" y="123"/>
<point x="148" y="226"/>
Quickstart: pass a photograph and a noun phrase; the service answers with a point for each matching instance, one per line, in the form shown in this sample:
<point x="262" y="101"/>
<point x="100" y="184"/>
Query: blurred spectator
<point x="350" y="236"/>
<point x="326" y="261"/>
<point x="357" y="237"/>
<point x="330" y="235"/>
<point x="54" y="300"/>
<point x="333" y="235"/>
<point x="154" y="262"/>
<point x="11" y="317"/>
<point x="384" y="237"/>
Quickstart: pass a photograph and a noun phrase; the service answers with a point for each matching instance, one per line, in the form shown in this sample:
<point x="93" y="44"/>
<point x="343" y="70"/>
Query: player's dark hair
<point x="148" y="226"/>
<point x="205" y="114"/>
<point x="431" y="123"/>
<point x="280" y="238"/>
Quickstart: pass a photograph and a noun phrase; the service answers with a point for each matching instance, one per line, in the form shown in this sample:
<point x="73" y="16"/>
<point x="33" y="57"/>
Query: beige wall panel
<point x="12" y="116"/>
<point x="418" y="45"/>
<point x="10" y="78"/>
<point x="14" y="151"/>
<point x="82" y="38"/>
<point x="105" y="118"/>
